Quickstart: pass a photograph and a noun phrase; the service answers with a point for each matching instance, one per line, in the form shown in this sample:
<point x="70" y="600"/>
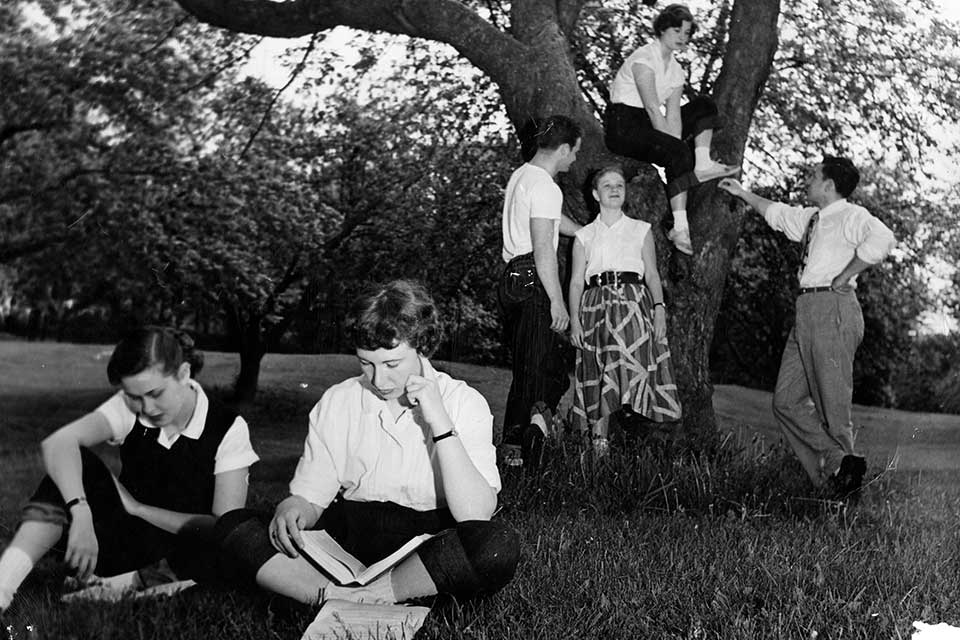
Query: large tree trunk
<point x="696" y="283"/>
<point x="245" y="332"/>
<point x="247" y="382"/>
<point x="532" y="64"/>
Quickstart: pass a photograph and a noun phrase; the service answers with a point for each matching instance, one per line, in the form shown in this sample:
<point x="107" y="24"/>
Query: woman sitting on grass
<point x="184" y="460"/>
<point x="397" y="451"/>
<point x="619" y="324"/>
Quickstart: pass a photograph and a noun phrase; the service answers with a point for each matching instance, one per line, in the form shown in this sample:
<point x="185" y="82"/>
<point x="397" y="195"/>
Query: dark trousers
<point x="467" y="559"/>
<point x="629" y="132"/>
<point x="540" y="355"/>
<point x="126" y="543"/>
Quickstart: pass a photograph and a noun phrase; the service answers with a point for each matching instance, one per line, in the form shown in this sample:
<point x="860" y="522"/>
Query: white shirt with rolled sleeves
<point x="355" y="447"/>
<point x="531" y="193"/>
<point x="235" y="451"/>
<point x="843" y="231"/>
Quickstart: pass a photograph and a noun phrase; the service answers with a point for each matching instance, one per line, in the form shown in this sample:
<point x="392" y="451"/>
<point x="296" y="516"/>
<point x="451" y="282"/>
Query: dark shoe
<point x="531" y="447"/>
<point x="716" y="170"/>
<point x="849" y="478"/>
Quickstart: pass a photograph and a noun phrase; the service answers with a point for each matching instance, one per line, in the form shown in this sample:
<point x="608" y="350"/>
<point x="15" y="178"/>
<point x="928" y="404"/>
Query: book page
<point x="327" y="552"/>
<point x="343" y="567"/>
<point x="342" y="620"/>
<point x="393" y="559"/>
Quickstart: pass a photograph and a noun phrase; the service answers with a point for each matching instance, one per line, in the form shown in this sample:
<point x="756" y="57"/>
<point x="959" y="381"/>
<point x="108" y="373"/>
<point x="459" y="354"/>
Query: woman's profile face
<point x="387" y="370"/>
<point x="677" y="38"/>
<point x="611" y="190"/>
<point x="157" y="396"/>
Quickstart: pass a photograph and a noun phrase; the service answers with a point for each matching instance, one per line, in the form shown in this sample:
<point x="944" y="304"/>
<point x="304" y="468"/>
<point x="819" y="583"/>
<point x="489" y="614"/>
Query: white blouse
<point x="618" y="247"/>
<point x="667" y="77"/>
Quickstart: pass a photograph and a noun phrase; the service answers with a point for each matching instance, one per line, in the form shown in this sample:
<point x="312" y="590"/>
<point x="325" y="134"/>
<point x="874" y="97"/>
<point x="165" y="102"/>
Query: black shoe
<point x="531" y="447"/>
<point x="849" y="478"/>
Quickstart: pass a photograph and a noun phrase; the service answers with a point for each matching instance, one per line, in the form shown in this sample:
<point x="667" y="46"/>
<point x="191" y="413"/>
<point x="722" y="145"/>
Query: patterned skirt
<point x="621" y="363"/>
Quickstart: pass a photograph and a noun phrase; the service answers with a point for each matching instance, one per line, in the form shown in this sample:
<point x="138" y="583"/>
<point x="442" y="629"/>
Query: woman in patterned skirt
<point x="619" y="322"/>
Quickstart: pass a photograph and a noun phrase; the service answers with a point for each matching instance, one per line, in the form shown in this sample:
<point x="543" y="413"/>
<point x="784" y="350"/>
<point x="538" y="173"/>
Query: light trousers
<point x="813" y="400"/>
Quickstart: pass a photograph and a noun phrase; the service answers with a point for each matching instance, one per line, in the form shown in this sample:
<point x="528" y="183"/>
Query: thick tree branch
<point x="445" y="21"/>
<point x="10" y="130"/>
<point x="568" y="13"/>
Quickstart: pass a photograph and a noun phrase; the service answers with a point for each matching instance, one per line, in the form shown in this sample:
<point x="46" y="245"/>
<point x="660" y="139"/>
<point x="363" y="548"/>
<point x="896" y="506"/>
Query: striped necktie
<point x="805" y="243"/>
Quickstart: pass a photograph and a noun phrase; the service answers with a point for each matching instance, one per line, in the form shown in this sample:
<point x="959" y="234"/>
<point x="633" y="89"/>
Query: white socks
<point x="15" y="566"/>
<point x="680" y="219"/>
<point x="702" y="157"/>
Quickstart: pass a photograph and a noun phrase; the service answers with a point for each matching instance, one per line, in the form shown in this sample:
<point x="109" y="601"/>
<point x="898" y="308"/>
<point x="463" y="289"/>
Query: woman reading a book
<point x="397" y="451"/>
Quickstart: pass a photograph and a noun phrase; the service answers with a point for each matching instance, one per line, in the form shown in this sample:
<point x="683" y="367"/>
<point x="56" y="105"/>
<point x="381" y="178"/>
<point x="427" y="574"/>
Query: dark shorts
<point x="466" y="558"/>
<point x="126" y="543"/>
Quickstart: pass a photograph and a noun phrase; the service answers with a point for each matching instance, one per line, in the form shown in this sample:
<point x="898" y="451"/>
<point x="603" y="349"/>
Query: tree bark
<point x="533" y="66"/>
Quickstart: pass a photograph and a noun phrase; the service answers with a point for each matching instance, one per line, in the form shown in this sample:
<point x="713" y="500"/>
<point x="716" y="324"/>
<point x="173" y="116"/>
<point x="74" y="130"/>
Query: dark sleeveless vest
<point x="179" y="478"/>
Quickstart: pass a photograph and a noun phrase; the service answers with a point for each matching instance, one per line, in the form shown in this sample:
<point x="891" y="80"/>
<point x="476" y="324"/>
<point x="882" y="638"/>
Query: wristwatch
<point x="448" y="434"/>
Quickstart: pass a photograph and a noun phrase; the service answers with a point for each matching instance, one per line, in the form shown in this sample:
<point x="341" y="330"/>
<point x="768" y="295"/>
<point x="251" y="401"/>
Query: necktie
<point x="805" y="243"/>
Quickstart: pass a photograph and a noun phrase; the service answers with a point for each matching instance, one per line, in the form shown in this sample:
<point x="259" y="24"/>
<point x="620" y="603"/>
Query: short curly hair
<point x="385" y="315"/>
<point x="843" y="173"/>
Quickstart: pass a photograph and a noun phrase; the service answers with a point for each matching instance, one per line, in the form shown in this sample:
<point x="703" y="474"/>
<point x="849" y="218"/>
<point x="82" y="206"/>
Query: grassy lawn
<point x="650" y="543"/>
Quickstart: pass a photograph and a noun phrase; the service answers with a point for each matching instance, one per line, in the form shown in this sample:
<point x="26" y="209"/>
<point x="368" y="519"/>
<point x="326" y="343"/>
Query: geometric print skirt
<point x="621" y="363"/>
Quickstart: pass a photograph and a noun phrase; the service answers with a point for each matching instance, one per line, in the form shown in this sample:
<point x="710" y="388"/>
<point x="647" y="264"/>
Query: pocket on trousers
<point x="518" y="284"/>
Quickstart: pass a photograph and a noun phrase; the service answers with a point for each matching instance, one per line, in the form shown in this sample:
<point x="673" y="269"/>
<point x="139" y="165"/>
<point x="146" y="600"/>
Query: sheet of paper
<point x="342" y="620"/>
<point x="941" y="631"/>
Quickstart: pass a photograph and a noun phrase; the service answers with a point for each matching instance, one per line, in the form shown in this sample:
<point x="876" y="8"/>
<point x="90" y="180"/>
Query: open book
<point x="322" y="549"/>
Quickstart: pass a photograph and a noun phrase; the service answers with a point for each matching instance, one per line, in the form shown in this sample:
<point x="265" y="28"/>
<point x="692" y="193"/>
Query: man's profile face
<point x="816" y="184"/>
<point x="568" y="155"/>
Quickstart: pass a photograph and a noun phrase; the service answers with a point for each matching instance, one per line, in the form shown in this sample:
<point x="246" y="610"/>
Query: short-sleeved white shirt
<point x="234" y="452"/>
<point x="618" y="247"/>
<point x="531" y="193"/>
<point x="355" y="446"/>
<point x="667" y="77"/>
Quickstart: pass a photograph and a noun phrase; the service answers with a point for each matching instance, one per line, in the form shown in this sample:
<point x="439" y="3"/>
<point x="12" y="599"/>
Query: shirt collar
<point x="833" y="207"/>
<point x="199" y="418"/>
<point x="619" y="223"/>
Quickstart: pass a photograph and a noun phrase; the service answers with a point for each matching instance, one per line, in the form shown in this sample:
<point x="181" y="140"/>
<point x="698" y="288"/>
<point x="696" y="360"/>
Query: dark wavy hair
<point x="150" y="346"/>
<point x="385" y="315"/>
<point x="674" y="15"/>
<point x="843" y="173"/>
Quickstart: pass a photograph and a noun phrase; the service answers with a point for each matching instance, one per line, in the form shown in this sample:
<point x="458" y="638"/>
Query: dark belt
<point x="614" y="278"/>
<point x="804" y="290"/>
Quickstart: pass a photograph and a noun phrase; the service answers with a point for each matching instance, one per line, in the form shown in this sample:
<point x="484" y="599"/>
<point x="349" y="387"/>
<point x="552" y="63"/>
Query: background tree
<point x="527" y="52"/>
<point x="401" y="174"/>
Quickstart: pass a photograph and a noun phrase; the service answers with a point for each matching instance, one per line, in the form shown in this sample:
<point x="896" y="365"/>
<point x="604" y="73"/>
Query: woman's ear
<point x="183" y="371"/>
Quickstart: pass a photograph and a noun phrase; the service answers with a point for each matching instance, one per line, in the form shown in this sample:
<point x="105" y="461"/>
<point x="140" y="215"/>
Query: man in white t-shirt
<point x="531" y="296"/>
<point x="813" y="400"/>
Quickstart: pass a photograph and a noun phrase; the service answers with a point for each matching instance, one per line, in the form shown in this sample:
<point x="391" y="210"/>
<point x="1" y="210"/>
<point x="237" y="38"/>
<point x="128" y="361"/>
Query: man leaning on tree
<point x="814" y="394"/>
